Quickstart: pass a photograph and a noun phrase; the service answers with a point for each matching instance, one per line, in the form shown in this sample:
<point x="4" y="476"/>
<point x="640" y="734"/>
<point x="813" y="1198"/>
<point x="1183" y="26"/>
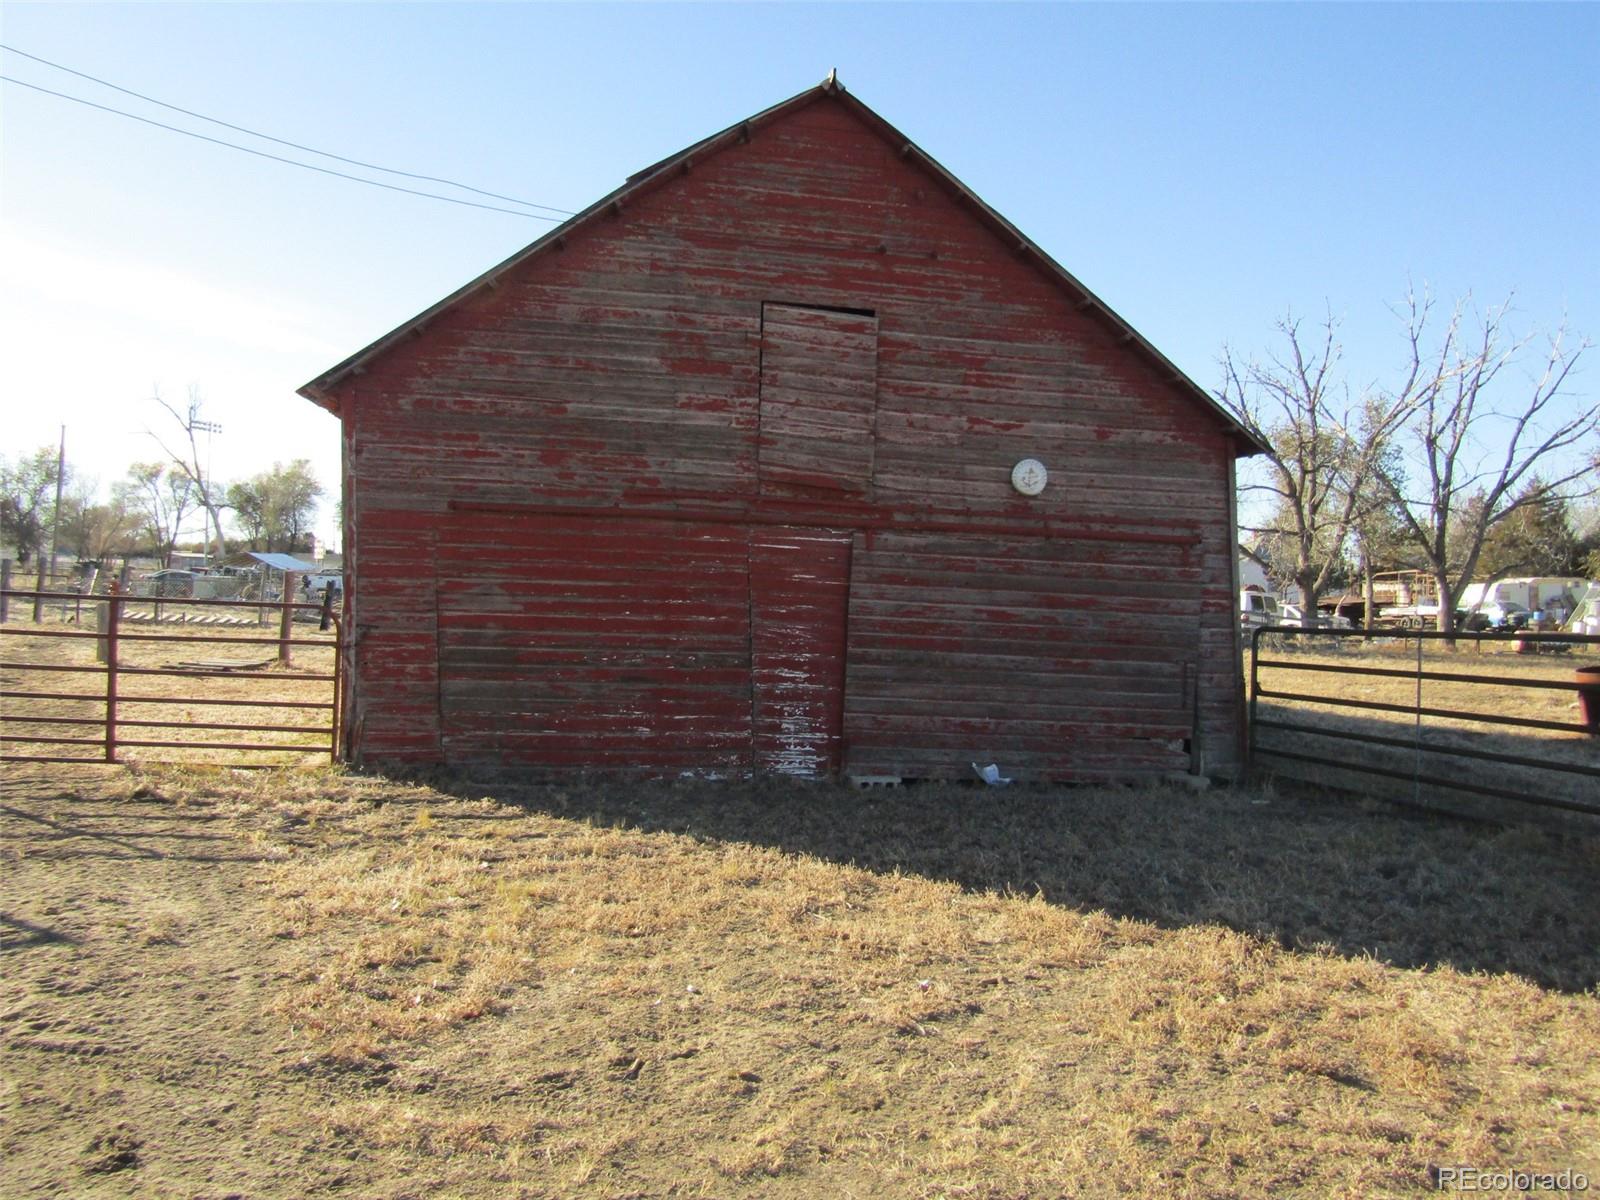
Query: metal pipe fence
<point x="1438" y="762"/>
<point x="34" y="701"/>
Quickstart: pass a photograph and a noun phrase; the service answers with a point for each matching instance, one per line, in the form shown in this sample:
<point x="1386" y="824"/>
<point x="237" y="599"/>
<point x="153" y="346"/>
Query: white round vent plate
<point x="1029" y="477"/>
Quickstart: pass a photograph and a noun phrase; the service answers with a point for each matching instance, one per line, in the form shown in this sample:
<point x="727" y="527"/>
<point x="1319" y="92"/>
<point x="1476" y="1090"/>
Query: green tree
<point x="1536" y="538"/>
<point x="92" y="530"/>
<point x="1377" y="533"/>
<point x="1585" y="514"/>
<point x="248" y="500"/>
<point x="27" y="500"/>
<point x="274" y="510"/>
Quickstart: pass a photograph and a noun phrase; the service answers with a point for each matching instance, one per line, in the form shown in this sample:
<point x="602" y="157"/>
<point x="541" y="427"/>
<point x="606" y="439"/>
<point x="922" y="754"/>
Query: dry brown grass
<point x="616" y="989"/>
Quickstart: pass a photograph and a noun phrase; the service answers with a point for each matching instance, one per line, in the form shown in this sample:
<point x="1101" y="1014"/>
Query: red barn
<point x="788" y="455"/>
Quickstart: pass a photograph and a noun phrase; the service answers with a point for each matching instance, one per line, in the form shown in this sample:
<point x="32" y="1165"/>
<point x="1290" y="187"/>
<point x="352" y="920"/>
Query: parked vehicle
<point x="175" y="583"/>
<point x="1502" y="617"/>
<point x="1413" y="616"/>
<point x="315" y="585"/>
<point x="1426" y="616"/>
<point x="1257" y="608"/>
<point x="171" y="583"/>
<point x="1293" y="614"/>
<point x="1531" y="593"/>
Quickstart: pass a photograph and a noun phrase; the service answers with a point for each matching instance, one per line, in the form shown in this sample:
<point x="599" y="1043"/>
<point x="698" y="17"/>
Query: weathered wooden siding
<point x="623" y="376"/>
<point x="818" y="399"/>
<point x="580" y="641"/>
<point x="1057" y="657"/>
<point x="799" y="595"/>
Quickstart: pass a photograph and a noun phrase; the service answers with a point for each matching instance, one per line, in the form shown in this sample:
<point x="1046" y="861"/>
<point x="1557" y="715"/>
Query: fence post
<point x="114" y="620"/>
<point x="85" y="588"/>
<point x="284" y="629"/>
<point x="335" y="744"/>
<point x="38" y="598"/>
<point x="1255" y="686"/>
<point x="5" y="589"/>
<point x="102" y="614"/>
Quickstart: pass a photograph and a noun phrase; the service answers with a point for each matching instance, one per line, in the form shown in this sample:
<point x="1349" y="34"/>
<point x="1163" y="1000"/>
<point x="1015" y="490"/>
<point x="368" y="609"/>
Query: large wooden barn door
<point x="584" y="642"/>
<point x="1057" y="659"/>
<point x="799" y="589"/>
<point x="819" y="381"/>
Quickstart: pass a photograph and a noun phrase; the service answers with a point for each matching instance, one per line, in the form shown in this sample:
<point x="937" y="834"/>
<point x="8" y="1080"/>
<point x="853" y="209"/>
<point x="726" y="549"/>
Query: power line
<point x="354" y="162"/>
<point x="388" y="187"/>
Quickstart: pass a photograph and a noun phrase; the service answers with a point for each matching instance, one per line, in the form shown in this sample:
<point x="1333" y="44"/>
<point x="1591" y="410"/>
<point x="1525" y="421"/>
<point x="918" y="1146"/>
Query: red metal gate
<point x="91" y="695"/>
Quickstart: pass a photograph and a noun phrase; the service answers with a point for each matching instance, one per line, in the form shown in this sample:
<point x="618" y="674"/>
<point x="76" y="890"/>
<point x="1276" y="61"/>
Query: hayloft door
<point x="819" y="381"/>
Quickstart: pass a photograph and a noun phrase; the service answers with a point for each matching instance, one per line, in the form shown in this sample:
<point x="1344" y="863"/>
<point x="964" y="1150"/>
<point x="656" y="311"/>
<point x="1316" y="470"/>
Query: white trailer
<point x="1534" y="593"/>
<point x="1586" y="617"/>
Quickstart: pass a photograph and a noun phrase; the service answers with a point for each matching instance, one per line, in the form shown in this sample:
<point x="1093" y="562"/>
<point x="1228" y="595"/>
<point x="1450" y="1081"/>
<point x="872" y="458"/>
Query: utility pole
<point x="55" y="516"/>
<point x="55" y="532"/>
<point x="209" y="428"/>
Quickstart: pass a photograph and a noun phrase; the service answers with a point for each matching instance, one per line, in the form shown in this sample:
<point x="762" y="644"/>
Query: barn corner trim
<point x="323" y="390"/>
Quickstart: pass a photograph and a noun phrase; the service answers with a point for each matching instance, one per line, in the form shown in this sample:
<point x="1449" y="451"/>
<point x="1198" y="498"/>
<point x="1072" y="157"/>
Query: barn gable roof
<point x="321" y="390"/>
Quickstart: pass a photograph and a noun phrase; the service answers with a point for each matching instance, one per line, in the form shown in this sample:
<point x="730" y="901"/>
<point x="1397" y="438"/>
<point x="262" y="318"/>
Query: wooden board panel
<point x="587" y="642"/>
<point x="799" y="588"/>
<point x="966" y="649"/>
<point x="819" y="371"/>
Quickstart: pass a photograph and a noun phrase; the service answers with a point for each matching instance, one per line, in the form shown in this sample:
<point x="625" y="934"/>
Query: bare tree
<point x="162" y="497"/>
<point x="97" y="531"/>
<point x="188" y="462"/>
<point x="1323" y="449"/>
<point x="1486" y="444"/>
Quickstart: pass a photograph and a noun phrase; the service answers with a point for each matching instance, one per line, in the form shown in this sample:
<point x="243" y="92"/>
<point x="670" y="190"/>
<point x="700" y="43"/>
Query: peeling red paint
<point x="721" y="487"/>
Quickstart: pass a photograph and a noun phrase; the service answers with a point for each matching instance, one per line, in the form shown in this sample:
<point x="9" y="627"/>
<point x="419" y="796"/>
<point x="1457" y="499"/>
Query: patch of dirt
<point x="141" y="1054"/>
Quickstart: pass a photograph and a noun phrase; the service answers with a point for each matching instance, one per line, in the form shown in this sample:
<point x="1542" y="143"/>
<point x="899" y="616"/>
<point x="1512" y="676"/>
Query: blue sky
<point x="1202" y="168"/>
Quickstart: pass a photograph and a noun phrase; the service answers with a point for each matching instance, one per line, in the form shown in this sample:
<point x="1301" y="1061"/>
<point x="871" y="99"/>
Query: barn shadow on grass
<point x="1302" y="868"/>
